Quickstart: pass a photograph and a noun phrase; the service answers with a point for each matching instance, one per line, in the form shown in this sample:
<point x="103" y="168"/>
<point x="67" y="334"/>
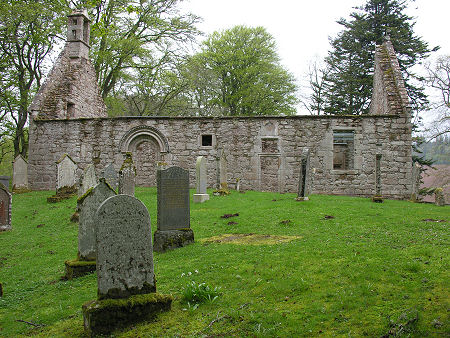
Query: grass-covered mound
<point x="350" y="267"/>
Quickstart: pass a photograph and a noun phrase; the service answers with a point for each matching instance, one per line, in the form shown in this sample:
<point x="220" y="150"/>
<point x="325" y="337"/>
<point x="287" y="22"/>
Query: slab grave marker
<point x="5" y="181"/>
<point x="87" y="206"/>
<point x="125" y="276"/>
<point x="173" y="226"/>
<point x="304" y="177"/>
<point x="111" y="176"/>
<point x="223" y="183"/>
<point x="88" y="180"/>
<point x="377" y="198"/>
<point x="439" y="197"/>
<point x="416" y="171"/>
<point x="200" y="181"/>
<point x="20" y="174"/>
<point x="127" y="176"/>
<point x="66" y="179"/>
<point x="5" y="208"/>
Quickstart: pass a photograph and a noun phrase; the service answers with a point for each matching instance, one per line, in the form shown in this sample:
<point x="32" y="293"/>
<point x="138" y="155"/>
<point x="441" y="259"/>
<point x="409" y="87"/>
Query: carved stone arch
<point x="136" y="135"/>
<point x="148" y="146"/>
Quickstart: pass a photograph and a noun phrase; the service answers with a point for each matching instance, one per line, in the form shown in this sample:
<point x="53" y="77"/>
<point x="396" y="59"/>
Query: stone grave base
<point x="76" y="268"/>
<point x="62" y="194"/>
<point x="200" y="198"/>
<point x="21" y="190"/>
<point x="172" y="239"/>
<point x="377" y="199"/>
<point x="5" y="227"/>
<point x="104" y="316"/>
<point x="299" y="199"/>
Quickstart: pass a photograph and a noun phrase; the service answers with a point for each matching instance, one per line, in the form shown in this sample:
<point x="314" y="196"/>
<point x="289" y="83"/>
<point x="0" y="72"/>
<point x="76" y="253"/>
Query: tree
<point x="350" y="80"/>
<point x="248" y="71"/>
<point x="439" y="79"/>
<point x="28" y="31"/>
<point x="129" y="35"/>
<point x="314" y="102"/>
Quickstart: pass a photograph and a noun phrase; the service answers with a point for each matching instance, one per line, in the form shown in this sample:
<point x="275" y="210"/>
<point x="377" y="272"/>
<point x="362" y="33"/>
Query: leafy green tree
<point x="28" y="31"/>
<point x="248" y="72"/>
<point x="350" y="60"/>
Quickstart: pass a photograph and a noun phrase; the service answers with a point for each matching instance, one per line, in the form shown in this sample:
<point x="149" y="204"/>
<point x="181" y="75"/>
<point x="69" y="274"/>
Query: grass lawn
<point x="351" y="268"/>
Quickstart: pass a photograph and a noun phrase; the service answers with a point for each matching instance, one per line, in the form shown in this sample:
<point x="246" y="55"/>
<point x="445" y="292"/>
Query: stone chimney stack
<point x="78" y="31"/>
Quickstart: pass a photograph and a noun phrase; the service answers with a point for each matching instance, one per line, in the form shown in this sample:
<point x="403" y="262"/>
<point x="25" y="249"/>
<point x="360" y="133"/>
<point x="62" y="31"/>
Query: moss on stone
<point x="77" y="268"/>
<point x="82" y="197"/>
<point x="104" y="316"/>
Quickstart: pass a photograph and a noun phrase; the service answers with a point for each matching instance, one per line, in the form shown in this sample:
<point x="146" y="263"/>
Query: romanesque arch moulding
<point x="136" y="135"/>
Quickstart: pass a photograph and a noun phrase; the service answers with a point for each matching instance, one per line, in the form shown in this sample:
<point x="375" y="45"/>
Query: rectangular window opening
<point x="207" y="140"/>
<point x="343" y="149"/>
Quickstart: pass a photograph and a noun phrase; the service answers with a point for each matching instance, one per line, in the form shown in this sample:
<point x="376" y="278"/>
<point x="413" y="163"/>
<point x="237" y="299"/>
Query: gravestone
<point x="125" y="277"/>
<point x="223" y="183"/>
<point x="200" y="181"/>
<point x="5" y="208"/>
<point x="304" y="177"/>
<point x="416" y="171"/>
<point x="5" y="181"/>
<point x="66" y="179"/>
<point x="20" y="174"/>
<point x="439" y="197"/>
<point x="173" y="226"/>
<point x="88" y="180"/>
<point x="87" y="206"/>
<point x="127" y="176"/>
<point x="377" y="198"/>
<point x="111" y="177"/>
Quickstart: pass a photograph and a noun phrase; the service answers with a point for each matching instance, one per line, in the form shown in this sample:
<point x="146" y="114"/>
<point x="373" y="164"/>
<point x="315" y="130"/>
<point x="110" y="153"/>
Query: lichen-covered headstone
<point x="304" y="176"/>
<point x="173" y="209"/>
<point x="20" y="174"/>
<point x="88" y="180"/>
<point x="223" y="183"/>
<point x="88" y="205"/>
<point x="124" y="248"/>
<point x="5" y="208"/>
<point x="66" y="180"/>
<point x="439" y="197"/>
<point x="416" y="171"/>
<point x="111" y="176"/>
<point x="127" y="176"/>
<point x="200" y="181"/>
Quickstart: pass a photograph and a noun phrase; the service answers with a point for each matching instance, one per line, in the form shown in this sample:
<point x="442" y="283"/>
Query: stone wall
<point x="263" y="152"/>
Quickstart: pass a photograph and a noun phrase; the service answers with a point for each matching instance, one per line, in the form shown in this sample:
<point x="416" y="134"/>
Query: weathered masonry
<point x="264" y="153"/>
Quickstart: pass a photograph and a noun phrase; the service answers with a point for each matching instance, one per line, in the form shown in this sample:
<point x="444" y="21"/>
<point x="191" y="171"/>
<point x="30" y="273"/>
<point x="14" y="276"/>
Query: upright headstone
<point x="416" y="173"/>
<point x="5" y="181"/>
<point x="200" y="181"/>
<point x="5" y="208"/>
<point x="110" y="175"/>
<point x="20" y="174"/>
<point x="173" y="229"/>
<point x="88" y="180"/>
<point x="223" y="183"/>
<point x="125" y="276"/>
<point x="377" y="197"/>
<point x="127" y="176"/>
<point x="439" y="197"/>
<point x="66" y="181"/>
<point x="304" y="177"/>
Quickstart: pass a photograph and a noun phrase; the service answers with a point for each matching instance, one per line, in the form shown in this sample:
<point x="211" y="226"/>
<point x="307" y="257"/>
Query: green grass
<point x="370" y="270"/>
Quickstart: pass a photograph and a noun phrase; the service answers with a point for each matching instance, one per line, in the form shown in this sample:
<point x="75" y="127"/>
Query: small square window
<point x="75" y="22"/>
<point x="207" y="140"/>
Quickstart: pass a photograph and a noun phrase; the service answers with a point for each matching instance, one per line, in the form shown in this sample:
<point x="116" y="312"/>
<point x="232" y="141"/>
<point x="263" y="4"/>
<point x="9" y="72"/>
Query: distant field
<point x="334" y="265"/>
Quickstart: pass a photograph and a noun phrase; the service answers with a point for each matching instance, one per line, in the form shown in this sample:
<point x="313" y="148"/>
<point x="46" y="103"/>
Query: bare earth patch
<point x="252" y="239"/>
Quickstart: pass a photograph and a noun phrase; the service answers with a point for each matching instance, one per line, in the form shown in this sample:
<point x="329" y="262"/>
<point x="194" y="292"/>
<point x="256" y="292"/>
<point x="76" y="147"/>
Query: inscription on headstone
<point x="173" y="199"/>
<point x="88" y="205"/>
<point x="127" y="176"/>
<point x="88" y="180"/>
<point x="200" y="181"/>
<point x="124" y="248"/>
<point x="5" y="208"/>
<point x="20" y="173"/>
<point x="111" y="176"/>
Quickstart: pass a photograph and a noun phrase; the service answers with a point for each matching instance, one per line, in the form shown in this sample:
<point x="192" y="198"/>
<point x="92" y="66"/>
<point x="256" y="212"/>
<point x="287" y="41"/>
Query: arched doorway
<point x="148" y="146"/>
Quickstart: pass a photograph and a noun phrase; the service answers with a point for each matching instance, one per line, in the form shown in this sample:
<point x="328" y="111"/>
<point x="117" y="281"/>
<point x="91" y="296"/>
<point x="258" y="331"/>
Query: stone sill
<point x="344" y="172"/>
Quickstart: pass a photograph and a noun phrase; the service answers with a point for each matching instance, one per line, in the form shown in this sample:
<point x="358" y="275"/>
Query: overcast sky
<point x="301" y="28"/>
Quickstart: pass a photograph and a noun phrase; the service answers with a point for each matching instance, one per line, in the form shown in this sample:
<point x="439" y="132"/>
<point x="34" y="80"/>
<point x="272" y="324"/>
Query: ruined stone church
<point x="350" y="155"/>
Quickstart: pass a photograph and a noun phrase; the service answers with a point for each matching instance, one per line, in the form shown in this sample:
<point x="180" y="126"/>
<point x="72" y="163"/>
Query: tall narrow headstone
<point x="88" y="180"/>
<point x="66" y="181"/>
<point x="126" y="281"/>
<point x="377" y="197"/>
<point x="200" y="181"/>
<point x="5" y="208"/>
<point x="127" y="176"/>
<point x="416" y="173"/>
<point x="173" y="229"/>
<point x="304" y="177"/>
<point x="223" y="183"/>
<point x="20" y="174"/>
<point x="439" y="197"/>
<point x="110" y="175"/>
